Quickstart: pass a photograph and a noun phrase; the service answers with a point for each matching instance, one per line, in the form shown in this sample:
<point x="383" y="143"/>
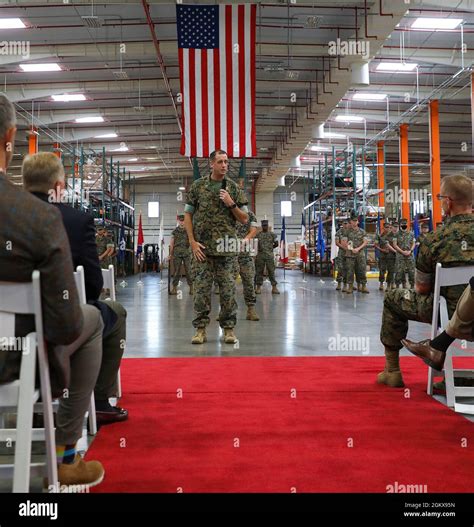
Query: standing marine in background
<point x="180" y="251"/>
<point x="356" y="241"/>
<point x="381" y="244"/>
<point x="340" y="261"/>
<point x="404" y="244"/>
<point x="267" y="241"/>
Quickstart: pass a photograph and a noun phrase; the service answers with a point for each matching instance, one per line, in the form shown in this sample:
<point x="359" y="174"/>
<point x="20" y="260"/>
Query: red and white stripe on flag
<point x="218" y="88"/>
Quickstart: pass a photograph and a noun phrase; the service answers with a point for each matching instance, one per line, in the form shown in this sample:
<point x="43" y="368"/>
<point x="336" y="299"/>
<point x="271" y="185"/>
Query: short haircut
<point x="41" y="172"/>
<point x="459" y="188"/>
<point x="213" y="155"/>
<point x="7" y="115"/>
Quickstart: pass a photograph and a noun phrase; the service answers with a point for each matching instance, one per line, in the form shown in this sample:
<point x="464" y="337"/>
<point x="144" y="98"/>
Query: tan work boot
<point x="350" y="289"/>
<point x="200" y="337"/>
<point x="258" y="289"/>
<point x="338" y="288"/>
<point x="359" y="287"/>
<point x="173" y="291"/>
<point x="252" y="314"/>
<point x="391" y="375"/>
<point x="381" y="286"/>
<point x="216" y="291"/>
<point x="229" y="336"/>
<point x="344" y="288"/>
<point x="80" y="472"/>
<point x="364" y="289"/>
<point x="191" y="289"/>
<point x="275" y="290"/>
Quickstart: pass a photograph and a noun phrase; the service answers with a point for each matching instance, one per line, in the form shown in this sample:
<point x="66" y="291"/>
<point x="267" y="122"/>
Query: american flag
<point x="216" y="45"/>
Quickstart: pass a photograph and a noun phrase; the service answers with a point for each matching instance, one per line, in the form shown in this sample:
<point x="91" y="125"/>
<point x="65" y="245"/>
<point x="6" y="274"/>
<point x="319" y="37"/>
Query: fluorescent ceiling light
<point x="182" y="188"/>
<point x="436" y="23"/>
<point x="396" y="66"/>
<point x="317" y="148"/>
<point x="334" y="135"/>
<point x="133" y="159"/>
<point x="68" y="97"/>
<point x="106" y="136"/>
<point x="349" y="118"/>
<point x="30" y="68"/>
<point x="365" y="96"/>
<point x="121" y="149"/>
<point x="11" y="23"/>
<point x="96" y="119"/>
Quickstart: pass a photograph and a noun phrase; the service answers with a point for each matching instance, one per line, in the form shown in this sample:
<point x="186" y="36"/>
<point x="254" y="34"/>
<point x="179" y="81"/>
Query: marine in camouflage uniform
<point x="424" y="231"/>
<point x="245" y="265"/>
<point x="267" y="241"/>
<point x="181" y="253"/>
<point x="214" y="226"/>
<point x="104" y="241"/>
<point x="404" y="241"/>
<point x="340" y="263"/>
<point x="392" y="255"/>
<point x="452" y="245"/>
<point x="356" y="238"/>
<point x="382" y="245"/>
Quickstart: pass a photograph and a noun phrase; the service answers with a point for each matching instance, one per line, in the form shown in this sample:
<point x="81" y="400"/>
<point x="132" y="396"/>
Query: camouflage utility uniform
<point x="391" y="259"/>
<point x="381" y="241"/>
<point x="452" y="245"/>
<point x="340" y="262"/>
<point x="102" y="242"/>
<point x="245" y="261"/>
<point x="181" y="253"/>
<point x="214" y="226"/>
<point x="266" y="242"/>
<point x="405" y="264"/>
<point x="355" y="262"/>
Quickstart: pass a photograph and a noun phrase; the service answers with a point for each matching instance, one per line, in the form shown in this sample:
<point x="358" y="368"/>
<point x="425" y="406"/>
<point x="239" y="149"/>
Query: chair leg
<point x="119" y="385"/>
<point x="92" y="417"/>
<point x="449" y="379"/>
<point x="429" y="388"/>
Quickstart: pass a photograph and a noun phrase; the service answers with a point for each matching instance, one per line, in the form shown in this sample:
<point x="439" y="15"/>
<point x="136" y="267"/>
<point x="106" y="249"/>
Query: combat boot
<point x="173" y="291"/>
<point x="394" y="286"/>
<point x="229" y="336"/>
<point x="364" y="289"/>
<point x="191" y="289"/>
<point x="252" y="314"/>
<point x="350" y="289"/>
<point x="216" y="290"/>
<point x="200" y="337"/>
<point x="381" y="286"/>
<point x="258" y="289"/>
<point x="359" y="288"/>
<point x="344" y="288"/>
<point x="391" y="375"/>
<point x="338" y="288"/>
<point x="275" y="290"/>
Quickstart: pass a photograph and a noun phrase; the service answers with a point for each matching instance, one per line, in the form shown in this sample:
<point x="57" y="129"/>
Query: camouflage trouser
<point x="390" y="270"/>
<point x="246" y="268"/>
<point x="341" y="269"/>
<point x="383" y="269"/>
<point x="400" y="306"/>
<point x="405" y="264"/>
<point x="221" y="269"/>
<point x="177" y="268"/>
<point x="261" y="261"/>
<point x="356" y="265"/>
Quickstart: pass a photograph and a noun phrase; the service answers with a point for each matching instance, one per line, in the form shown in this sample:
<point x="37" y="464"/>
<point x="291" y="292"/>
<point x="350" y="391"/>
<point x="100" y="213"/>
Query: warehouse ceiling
<point x="105" y="51"/>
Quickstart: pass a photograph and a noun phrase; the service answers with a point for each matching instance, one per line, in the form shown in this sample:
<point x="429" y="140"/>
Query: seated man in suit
<point x="43" y="176"/>
<point x="32" y="237"/>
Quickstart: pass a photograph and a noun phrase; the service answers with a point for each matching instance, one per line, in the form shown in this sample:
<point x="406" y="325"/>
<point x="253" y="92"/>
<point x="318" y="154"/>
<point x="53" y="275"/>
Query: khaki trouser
<point x="85" y="355"/>
<point x="461" y="325"/>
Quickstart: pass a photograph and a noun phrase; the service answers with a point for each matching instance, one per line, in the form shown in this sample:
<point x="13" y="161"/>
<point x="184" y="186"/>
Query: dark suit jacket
<point x="80" y="230"/>
<point x="38" y="241"/>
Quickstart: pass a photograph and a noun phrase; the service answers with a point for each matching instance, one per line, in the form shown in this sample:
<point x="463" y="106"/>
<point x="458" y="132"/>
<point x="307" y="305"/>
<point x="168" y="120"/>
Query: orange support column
<point x="435" y="162"/>
<point x="381" y="174"/>
<point x="33" y="141"/>
<point x="404" y="174"/>
<point x="57" y="150"/>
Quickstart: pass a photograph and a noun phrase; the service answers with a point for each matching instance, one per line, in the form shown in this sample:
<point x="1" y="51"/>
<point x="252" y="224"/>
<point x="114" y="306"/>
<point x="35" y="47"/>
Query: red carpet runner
<point x="281" y="424"/>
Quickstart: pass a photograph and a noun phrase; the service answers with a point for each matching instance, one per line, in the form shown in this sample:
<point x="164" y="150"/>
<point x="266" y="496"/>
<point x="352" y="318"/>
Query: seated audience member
<point x="461" y="326"/>
<point x="452" y="245"/>
<point x="43" y="176"/>
<point x="32" y="237"/>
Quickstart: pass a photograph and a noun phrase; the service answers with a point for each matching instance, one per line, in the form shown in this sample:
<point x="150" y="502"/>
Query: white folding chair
<point x="445" y="277"/>
<point x="25" y="299"/>
<point x="109" y="283"/>
<point x="81" y="289"/>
